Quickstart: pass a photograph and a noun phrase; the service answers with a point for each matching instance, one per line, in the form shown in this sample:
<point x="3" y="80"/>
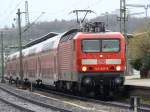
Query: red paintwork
<point x="66" y="58"/>
<point x="109" y="55"/>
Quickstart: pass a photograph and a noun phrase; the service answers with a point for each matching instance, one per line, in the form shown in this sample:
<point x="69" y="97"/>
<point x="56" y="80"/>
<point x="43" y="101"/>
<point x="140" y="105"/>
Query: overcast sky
<point x="59" y="9"/>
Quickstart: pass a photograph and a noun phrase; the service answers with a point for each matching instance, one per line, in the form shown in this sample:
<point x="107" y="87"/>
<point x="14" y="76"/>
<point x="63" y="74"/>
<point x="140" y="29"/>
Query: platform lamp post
<point x="2" y="59"/>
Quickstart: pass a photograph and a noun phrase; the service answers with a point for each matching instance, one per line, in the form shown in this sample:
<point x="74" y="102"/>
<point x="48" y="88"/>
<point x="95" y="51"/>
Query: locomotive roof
<point x="113" y="33"/>
<point x="101" y="34"/>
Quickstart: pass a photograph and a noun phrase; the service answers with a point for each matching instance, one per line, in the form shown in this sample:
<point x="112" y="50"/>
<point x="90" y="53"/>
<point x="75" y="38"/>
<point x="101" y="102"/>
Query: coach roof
<point x="41" y="39"/>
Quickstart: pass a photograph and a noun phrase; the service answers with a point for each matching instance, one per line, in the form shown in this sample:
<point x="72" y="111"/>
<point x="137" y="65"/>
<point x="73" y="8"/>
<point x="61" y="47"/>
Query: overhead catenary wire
<point x="65" y="10"/>
<point x="9" y="6"/>
<point x="12" y="11"/>
<point x="73" y="6"/>
<point x="29" y="26"/>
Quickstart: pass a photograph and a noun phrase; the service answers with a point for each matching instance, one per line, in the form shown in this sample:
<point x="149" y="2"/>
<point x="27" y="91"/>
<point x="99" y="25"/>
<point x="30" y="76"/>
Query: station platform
<point x="134" y="80"/>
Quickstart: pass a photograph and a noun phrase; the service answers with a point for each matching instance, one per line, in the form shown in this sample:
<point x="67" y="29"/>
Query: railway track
<point x="124" y="105"/>
<point x="16" y="106"/>
<point x="72" y="104"/>
<point x="116" y="104"/>
<point x="26" y="104"/>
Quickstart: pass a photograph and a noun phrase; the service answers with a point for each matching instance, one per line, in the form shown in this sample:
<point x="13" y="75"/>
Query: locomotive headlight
<point x="84" y="68"/>
<point x="118" y="68"/>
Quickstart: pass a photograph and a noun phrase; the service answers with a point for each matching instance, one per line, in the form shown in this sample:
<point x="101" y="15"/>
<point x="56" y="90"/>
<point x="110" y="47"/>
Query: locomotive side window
<point x="91" y="45"/>
<point x="100" y="45"/>
<point x="110" y="45"/>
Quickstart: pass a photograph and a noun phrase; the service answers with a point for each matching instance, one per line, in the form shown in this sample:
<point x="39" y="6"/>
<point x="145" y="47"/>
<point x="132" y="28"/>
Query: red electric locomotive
<point x="81" y="60"/>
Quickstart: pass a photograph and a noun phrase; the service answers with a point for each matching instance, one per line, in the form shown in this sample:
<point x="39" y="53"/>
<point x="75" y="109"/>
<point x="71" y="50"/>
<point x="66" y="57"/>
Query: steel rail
<point x="143" y="107"/>
<point x="124" y="105"/>
<point x="15" y="105"/>
<point x="35" y="102"/>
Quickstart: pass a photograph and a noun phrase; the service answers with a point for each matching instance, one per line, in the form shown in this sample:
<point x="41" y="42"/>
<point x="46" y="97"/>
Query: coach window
<point x="110" y="45"/>
<point x="91" y="45"/>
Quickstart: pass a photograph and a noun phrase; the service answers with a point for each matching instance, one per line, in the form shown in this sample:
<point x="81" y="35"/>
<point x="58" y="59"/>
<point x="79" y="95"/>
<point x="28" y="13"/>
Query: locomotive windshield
<point x="101" y="45"/>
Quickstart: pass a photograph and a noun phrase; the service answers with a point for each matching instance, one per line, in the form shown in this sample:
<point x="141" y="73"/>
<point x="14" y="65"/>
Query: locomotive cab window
<point x="110" y="45"/>
<point x="100" y="45"/>
<point x="91" y="46"/>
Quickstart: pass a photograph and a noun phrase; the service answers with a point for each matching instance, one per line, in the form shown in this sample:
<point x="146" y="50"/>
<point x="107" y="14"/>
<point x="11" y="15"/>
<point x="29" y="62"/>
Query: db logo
<point x="101" y="61"/>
